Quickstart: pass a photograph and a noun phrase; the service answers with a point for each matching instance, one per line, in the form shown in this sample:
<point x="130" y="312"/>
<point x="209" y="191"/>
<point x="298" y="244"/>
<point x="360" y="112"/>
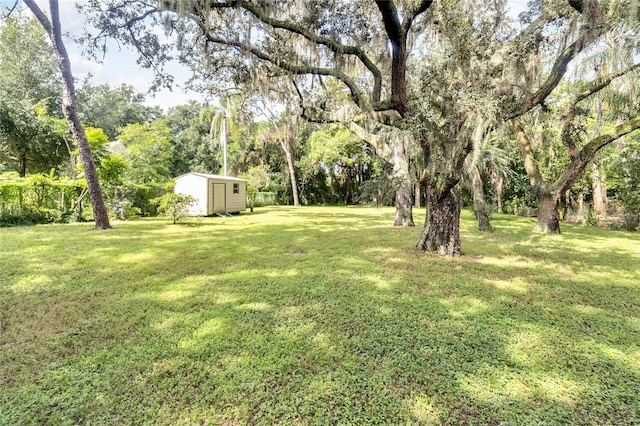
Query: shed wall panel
<point x="196" y="186"/>
<point x="236" y="202"/>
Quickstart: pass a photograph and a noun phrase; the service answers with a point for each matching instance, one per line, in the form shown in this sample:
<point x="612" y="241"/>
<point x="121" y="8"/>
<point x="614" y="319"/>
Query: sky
<point x="119" y="65"/>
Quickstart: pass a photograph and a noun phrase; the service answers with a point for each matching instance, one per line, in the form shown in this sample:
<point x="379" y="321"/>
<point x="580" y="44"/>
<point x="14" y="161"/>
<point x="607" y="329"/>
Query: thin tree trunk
<point x="548" y="222"/>
<point x="441" y="232"/>
<point x="499" y="187"/>
<point x="69" y="110"/>
<point x="599" y="186"/>
<point x="22" y="167"/>
<point x="404" y="201"/>
<point x="581" y="203"/>
<point x="418" y="194"/>
<point x="479" y="204"/>
<point x="284" y="143"/>
<point x="404" y="205"/>
<point x="598" y="183"/>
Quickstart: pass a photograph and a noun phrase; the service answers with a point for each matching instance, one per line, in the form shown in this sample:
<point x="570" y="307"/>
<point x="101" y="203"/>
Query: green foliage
<point x="263" y="199"/>
<point x="28" y="68"/>
<point x="40" y="199"/>
<point x="130" y="200"/>
<point x="631" y="221"/>
<point x="377" y="191"/>
<point x="255" y="319"/>
<point x="258" y="178"/>
<point x="30" y="141"/>
<point x="624" y="175"/>
<point x="112" y="170"/>
<point x="111" y="109"/>
<point x="174" y="206"/>
<point x="342" y="158"/>
<point x="150" y="152"/>
<point x="194" y="149"/>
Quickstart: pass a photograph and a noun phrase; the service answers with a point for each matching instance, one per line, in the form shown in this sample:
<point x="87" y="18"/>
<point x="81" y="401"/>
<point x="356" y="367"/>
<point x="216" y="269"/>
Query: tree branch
<point x="8" y="14"/>
<point x="398" y="37"/>
<point x="40" y="16"/>
<point x="419" y="9"/>
<point x="331" y="44"/>
<point x="591" y="30"/>
<point x="392" y="24"/>
<point x="530" y="165"/>
<point x="355" y="93"/>
<point x="377" y="142"/>
<point x="577" y="166"/>
<point x="334" y="46"/>
<point x="571" y="110"/>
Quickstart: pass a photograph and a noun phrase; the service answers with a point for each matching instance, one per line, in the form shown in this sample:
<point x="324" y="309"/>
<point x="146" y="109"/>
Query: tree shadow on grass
<point x="361" y="330"/>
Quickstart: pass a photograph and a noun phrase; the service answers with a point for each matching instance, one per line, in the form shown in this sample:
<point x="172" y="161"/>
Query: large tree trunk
<point x="548" y="222"/>
<point x="441" y="232"/>
<point x="479" y="203"/>
<point x="69" y="110"/>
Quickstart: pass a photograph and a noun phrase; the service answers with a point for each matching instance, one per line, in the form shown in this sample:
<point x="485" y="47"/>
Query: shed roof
<point x="210" y="176"/>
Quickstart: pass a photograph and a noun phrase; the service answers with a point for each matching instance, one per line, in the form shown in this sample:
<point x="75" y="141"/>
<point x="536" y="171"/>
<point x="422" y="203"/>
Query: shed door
<point x="219" y="198"/>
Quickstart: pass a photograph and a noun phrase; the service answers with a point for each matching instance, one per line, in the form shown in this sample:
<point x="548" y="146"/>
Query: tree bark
<point x="599" y="186"/>
<point x="499" y="187"/>
<point x="292" y="172"/>
<point x="548" y="221"/>
<point x="479" y="203"/>
<point x="402" y="179"/>
<point x="22" y="166"/>
<point x="441" y="232"/>
<point x="52" y="27"/>
<point x="404" y="205"/>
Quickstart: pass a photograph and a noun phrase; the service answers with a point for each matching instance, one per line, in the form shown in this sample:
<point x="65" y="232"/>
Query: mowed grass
<point x="319" y="315"/>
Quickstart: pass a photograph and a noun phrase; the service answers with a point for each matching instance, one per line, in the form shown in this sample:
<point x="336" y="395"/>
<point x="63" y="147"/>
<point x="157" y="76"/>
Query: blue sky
<point x="119" y="65"/>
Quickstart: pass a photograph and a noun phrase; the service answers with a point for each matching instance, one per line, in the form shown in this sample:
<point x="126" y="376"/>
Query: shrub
<point x="630" y="222"/>
<point x="174" y="206"/>
<point x="40" y="199"/>
<point x="262" y="199"/>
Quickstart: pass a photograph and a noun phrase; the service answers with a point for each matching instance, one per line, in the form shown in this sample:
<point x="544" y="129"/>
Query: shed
<point x="214" y="194"/>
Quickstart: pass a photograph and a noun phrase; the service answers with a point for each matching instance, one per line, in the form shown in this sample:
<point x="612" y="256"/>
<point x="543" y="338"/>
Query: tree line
<point x="429" y="103"/>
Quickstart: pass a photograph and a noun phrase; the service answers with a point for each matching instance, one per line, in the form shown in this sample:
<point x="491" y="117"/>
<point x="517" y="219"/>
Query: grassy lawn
<point x="317" y="316"/>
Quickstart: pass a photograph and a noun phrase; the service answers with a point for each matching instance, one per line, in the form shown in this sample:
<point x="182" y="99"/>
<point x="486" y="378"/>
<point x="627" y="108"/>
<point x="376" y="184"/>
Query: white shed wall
<point x="196" y="186"/>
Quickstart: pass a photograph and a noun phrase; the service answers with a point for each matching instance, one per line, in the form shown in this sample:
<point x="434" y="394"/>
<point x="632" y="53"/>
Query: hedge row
<point x="42" y="199"/>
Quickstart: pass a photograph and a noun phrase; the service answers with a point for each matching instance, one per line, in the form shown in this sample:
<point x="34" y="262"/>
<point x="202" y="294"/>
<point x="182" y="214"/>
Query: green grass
<point x="317" y="316"/>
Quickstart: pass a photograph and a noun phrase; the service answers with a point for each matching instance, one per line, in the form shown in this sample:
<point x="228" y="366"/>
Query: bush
<point x="265" y="199"/>
<point x="32" y="217"/>
<point x="40" y="199"/>
<point x="630" y="222"/>
<point x="379" y="191"/>
<point x="590" y="217"/>
<point x="174" y="206"/>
